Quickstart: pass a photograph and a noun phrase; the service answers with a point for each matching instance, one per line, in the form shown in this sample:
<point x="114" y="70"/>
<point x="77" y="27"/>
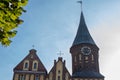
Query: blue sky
<point x="51" y="26"/>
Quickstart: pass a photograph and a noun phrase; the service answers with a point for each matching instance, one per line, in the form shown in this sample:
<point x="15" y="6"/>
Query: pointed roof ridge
<point x="83" y="35"/>
<point x="32" y="56"/>
<point x="64" y="66"/>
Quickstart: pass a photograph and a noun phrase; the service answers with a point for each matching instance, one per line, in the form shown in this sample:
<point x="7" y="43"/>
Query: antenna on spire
<point x="80" y="3"/>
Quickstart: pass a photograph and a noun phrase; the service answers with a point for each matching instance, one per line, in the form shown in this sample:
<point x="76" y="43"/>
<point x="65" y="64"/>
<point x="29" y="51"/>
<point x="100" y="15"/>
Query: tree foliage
<point x="10" y="12"/>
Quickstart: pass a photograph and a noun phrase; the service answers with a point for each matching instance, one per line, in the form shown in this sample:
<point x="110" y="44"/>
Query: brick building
<point x="85" y="63"/>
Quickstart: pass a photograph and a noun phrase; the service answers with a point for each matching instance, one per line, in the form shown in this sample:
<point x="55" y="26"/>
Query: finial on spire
<point x="80" y="3"/>
<point x="60" y="53"/>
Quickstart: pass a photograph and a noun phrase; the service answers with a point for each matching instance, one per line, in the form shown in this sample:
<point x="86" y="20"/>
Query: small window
<point x="37" y="77"/>
<point x="26" y="65"/>
<point x="21" y="77"/>
<point x="58" y="77"/>
<point x="35" y="65"/>
<point x="58" y="71"/>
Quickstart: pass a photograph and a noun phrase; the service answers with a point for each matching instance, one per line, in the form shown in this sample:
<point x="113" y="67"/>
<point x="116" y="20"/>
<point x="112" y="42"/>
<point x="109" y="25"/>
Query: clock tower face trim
<point x="85" y="50"/>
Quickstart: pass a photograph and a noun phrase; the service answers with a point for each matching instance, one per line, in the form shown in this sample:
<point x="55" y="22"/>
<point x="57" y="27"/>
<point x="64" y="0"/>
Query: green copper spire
<point x="83" y="35"/>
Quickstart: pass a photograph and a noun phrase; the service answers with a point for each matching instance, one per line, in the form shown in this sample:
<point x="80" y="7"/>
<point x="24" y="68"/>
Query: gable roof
<point x="32" y="56"/>
<point x="64" y="67"/>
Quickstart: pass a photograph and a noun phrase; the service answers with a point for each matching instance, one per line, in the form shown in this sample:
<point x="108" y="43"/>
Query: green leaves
<point x="10" y="11"/>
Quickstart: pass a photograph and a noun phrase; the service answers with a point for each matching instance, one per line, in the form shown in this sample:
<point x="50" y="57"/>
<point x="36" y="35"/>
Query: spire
<point x="83" y="35"/>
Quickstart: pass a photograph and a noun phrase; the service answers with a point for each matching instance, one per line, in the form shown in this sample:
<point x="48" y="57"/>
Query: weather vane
<point x="80" y="3"/>
<point x="60" y="54"/>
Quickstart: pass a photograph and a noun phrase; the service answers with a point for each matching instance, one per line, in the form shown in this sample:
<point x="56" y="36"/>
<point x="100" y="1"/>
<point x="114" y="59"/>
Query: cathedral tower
<point x="85" y="54"/>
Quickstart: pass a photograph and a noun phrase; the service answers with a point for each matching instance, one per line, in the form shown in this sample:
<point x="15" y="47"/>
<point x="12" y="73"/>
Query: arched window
<point x="26" y="65"/>
<point x="35" y="65"/>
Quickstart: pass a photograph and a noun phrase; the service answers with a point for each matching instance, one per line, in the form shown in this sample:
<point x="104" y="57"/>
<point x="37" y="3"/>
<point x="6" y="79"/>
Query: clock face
<point x="86" y="50"/>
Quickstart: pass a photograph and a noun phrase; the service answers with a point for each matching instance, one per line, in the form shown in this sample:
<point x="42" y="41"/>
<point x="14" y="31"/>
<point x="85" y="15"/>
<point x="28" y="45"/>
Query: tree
<point x="10" y="12"/>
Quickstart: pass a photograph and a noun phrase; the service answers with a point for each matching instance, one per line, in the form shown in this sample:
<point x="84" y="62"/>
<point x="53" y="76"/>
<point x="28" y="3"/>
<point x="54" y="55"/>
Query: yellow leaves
<point x="10" y="11"/>
<point x="13" y="17"/>
<point x="24" y="2"/>
<point x="11" y="33"/>
<point x="6" y="42"/>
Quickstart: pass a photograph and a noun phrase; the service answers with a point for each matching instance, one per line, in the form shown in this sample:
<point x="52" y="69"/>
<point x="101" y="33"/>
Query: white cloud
<point x="107" y="36"/>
